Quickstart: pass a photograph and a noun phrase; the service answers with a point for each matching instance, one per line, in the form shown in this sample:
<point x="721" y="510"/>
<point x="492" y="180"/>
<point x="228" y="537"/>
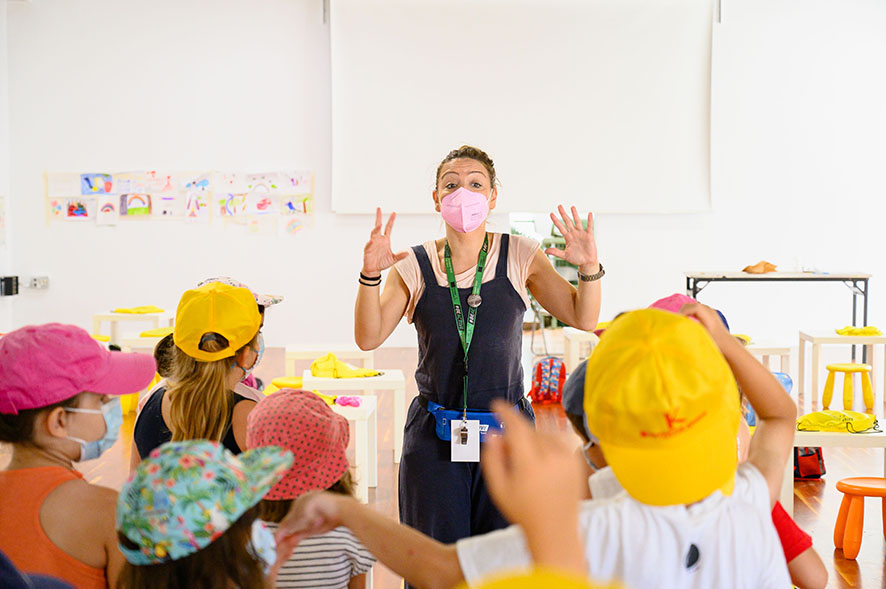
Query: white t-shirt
<point x="327" y="561"/>
<point x="646" y="546"/>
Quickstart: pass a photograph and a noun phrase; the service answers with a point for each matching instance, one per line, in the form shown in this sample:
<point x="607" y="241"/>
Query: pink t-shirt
<point x="521" y="250"/>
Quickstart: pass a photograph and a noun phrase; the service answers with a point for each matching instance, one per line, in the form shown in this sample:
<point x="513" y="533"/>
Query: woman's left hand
<point x="581" y="248"/>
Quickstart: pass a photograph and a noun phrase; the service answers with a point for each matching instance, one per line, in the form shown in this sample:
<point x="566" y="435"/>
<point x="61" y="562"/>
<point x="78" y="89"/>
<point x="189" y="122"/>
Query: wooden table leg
<point x="801" y="376"/>
<point x="816" y="359"/>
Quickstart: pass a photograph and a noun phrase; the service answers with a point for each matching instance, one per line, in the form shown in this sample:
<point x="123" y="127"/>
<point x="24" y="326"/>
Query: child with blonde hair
<point x="59" y="404"/>
<point x="304" y="424"/>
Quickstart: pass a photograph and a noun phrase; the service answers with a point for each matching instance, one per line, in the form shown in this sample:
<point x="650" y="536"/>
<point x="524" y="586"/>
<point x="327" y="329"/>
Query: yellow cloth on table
<point x="830" y="420"/>
<point x="158" y="332"/>
<point x="329" y="366"/>
<point x="101" y="338"/>
<point x="852" y="330"/>
<point x="138" y="310"/>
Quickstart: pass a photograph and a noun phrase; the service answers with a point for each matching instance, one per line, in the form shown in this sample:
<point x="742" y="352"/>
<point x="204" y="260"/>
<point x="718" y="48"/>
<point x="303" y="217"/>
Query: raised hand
<point x="581" y="248"/>
<point x="377" y="254"/>
<point x="711" y="321"/>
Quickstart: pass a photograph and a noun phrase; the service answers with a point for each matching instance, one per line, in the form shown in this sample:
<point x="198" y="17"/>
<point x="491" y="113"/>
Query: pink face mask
<point x="464" y="210"/>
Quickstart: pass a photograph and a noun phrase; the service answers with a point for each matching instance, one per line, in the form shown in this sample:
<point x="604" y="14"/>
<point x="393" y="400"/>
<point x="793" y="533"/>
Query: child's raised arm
<point x="776" y="413"/>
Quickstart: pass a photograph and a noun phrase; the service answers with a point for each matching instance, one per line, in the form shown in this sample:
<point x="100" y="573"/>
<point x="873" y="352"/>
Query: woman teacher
<point x="466" y="295"/>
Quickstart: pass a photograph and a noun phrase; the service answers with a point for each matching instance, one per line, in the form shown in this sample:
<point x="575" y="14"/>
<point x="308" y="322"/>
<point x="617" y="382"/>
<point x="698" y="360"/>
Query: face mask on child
<point x="260" y="352"/>
<point x="113" y="414"/>
<point x="264" y="545"/>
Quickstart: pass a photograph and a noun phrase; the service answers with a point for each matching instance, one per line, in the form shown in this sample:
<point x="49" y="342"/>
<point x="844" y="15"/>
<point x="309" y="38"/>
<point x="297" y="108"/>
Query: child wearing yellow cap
<point x="661" y="397"/>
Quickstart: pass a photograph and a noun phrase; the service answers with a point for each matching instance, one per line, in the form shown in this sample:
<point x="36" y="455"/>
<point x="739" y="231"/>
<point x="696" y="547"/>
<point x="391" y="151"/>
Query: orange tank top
<point x="22" y="538"/>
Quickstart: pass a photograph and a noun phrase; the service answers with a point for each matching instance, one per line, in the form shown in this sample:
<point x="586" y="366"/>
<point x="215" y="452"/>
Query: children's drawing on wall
<point x="63" y="184"/>
<point x="261" y="224"/>
<point x="56" y="208"/>
<point x="295" y="205"/>
<point x="299" y="183"/>
<point x="169" y="205"/>
<point x="135" y="205"/>
<point x="94" y="184"/>
<point x="262" y="203"/>
<point x="231" y="206"/>
<point x="230" y="183"/>
<point x="196" y="206"/>
<point x="79" y="209"/>
<point x="107" y="211"/>
<point x="293" y="224"/>
<point x="131" y="183"/>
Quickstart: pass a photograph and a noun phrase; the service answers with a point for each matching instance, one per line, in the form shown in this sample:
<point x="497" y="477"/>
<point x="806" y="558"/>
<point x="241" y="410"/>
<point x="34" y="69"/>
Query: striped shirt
<point x="328" y="560"/>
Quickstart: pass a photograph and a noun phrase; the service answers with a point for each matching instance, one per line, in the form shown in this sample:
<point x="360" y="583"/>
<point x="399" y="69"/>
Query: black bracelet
<point x="364" y="283"/>
<point x="591" y="277"/>
<point x="370" y="278"/>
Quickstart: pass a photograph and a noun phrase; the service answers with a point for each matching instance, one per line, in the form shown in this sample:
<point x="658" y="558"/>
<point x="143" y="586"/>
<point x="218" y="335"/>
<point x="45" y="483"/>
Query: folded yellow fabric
<point x="101" y="338"/>
<point x="329" y="366"/>
<point x="159" y="332"/>
<point x="138" y="310"/>
<point x="830" y="420"/>
<point x="851" y="330"/>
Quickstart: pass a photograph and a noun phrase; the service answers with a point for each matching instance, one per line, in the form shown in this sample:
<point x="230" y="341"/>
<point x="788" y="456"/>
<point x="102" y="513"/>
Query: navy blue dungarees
<point x="443" y="499"/>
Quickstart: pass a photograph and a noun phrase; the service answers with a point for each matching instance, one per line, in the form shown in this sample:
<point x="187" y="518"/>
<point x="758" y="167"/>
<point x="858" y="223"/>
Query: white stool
<point x="389" y="379"/>
<point x="574" y="340"/>
<point x="365" y="418"/>
<point x="817" y="339"/>
<point x="115" y="318"/>
<point x="312" y="352"/>
<point x="767" y="350"/>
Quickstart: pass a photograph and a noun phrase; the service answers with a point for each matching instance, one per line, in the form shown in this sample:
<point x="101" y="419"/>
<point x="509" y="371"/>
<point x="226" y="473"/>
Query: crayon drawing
<point x="56" y="208"/>
<point x="135" y="205"/>
<point x="296" y="205"/>
<point x="108" y="211"/>
<point x="92" y="184"/>
<point x="168" y="205"/>
<point x="78" y="209"/>
<point x="196" y="206"/>
<point x="231" y="205"/>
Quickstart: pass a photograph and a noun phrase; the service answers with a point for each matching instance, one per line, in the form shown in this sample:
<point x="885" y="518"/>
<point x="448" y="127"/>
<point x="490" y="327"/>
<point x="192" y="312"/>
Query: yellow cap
<point x="538" y="579"/>
<point x="215" y="308"/>
<point x="664" y="404"/>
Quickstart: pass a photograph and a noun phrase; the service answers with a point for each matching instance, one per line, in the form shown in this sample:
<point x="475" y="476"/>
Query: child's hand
<point x="711" y="321"/>
<point x="311" y="514"/>
<point x="535" y="478"/>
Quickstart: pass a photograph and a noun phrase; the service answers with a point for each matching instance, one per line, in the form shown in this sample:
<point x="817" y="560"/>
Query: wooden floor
<point x="816" y="502"/>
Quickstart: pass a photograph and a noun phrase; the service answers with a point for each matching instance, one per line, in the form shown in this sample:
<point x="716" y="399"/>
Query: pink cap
<point x="303" y="423"/>
<point x="672" y="303"/>
<point x="45" y="364"/>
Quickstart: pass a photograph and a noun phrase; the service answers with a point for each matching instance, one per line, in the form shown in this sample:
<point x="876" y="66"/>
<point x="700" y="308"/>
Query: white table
<point x="818" y="339"/>
<point x="115" y="318"/>
<point x="365" y="418"/>
<point x="826" y="440"/>
<point x="389" y="379"/>
<point x="312" y="352"/>
<point x="574" y="338"/>
<point x="767" y="350"/>
<point x="127" y="344"/>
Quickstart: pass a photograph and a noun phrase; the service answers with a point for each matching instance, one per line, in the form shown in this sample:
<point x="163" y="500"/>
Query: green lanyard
<point x="466" y="332"/>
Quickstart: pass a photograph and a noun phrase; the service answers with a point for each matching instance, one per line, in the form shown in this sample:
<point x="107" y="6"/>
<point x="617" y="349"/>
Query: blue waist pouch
<point x="489" y="423"/>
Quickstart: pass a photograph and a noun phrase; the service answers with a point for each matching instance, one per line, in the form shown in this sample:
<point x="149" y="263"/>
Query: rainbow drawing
<point x="293" y="226"/>
<point x="108" y="207"/>
<point x="133" y="205"/>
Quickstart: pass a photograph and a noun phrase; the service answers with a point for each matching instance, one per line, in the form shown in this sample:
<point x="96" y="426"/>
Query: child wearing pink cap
<point x="59" y="404"/>
<point x="302" y="423"/>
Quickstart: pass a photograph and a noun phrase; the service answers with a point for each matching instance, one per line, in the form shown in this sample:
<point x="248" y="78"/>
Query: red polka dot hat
<point x="302" y="423"/>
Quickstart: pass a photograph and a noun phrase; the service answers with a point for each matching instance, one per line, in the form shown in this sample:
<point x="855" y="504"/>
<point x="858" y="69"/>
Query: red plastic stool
<point x="850" y="520"/>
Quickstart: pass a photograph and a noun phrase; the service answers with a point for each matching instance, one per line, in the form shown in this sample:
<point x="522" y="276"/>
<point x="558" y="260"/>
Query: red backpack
<point x="548" y="376"/>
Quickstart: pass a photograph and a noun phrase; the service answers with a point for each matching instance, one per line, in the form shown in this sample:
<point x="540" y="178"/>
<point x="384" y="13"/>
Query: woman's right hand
<point x="377" y="255"/>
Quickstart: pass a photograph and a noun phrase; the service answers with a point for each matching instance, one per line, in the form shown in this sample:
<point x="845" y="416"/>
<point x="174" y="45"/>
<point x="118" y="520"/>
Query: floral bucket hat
<point x="187" y="494"/>
<point x="265" y="300"/>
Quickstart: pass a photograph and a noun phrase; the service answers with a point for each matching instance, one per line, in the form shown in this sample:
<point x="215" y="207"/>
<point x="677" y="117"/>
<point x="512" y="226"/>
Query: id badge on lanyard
<point x="465" y="433"/>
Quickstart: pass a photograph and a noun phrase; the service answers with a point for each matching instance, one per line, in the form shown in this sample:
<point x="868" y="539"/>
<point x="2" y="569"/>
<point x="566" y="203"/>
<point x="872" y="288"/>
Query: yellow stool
<point x="283" y="382"/>
<point x="848" y="394"/>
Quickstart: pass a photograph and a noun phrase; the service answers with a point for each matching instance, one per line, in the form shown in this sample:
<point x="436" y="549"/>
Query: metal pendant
<point x="474" y="300"/>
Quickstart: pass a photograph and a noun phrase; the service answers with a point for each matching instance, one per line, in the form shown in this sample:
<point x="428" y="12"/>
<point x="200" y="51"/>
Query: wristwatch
<point x="591" y="277"/>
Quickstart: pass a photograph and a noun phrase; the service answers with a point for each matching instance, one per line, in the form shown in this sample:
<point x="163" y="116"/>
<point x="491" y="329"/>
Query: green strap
<point x="465" y="332"/>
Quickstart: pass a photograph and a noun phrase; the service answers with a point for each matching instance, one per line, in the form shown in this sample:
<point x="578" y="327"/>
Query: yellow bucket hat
<point x="664" y="404"/>
<point x="215" y="308"/>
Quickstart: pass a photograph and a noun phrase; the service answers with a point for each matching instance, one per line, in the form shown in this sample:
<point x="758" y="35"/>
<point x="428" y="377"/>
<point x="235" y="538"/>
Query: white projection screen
<point x="600" y="103"/>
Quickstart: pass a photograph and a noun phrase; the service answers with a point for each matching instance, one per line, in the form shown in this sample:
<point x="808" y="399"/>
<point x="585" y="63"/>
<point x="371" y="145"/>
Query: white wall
<point x="6" y="303"/>
<point x="797" y="161"/>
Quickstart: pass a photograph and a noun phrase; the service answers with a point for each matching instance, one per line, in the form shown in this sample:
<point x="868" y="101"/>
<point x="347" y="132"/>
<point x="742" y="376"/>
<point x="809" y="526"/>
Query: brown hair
<point x="473" y="153"/>
<point x="275" y="511"/>
<point x="229" y="561"/>
<point x="200" y="404"/>
<point x="164" y="356"/>
<point x="19" y="428"/>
